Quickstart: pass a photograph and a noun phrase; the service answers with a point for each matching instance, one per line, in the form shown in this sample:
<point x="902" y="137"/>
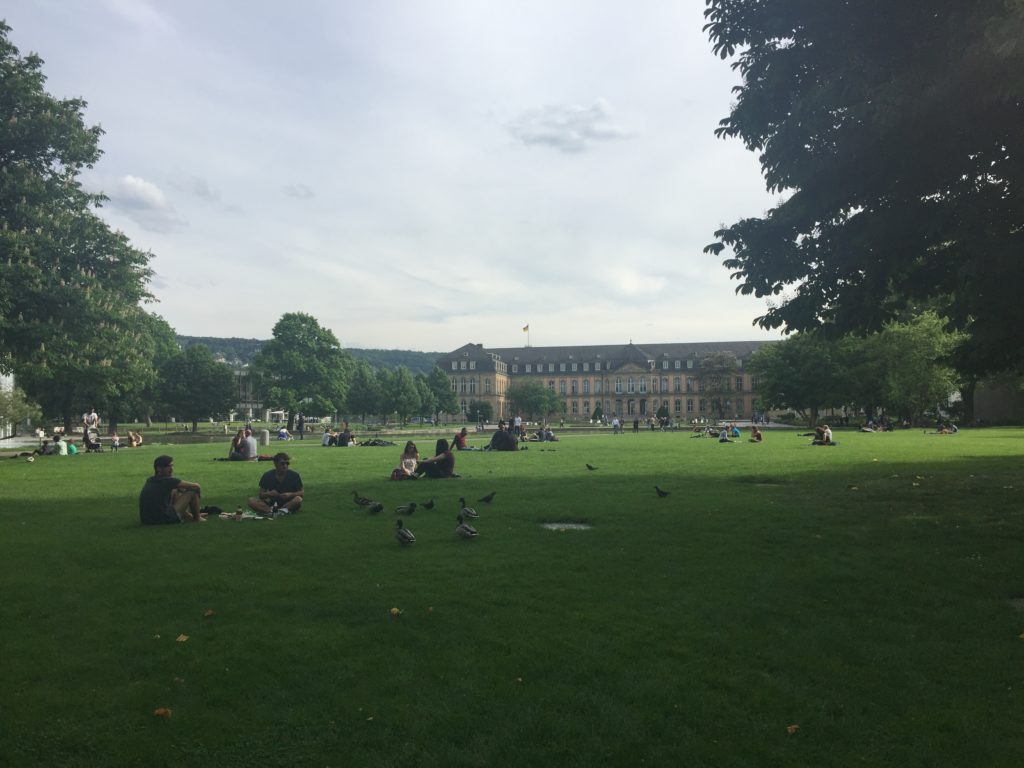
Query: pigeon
<point x="406" y="509"/>
<point x="467" y="511"/>
<point x="375" y="508"/>
<point x="661" y="494"/>
<point x="488" y="498"/>
<point x="402" y="534"/>
<point x="591" y="467"/>
<point x="428" y="504"/>
<point x="465" y="530"/>
<point x="362" y="501"/>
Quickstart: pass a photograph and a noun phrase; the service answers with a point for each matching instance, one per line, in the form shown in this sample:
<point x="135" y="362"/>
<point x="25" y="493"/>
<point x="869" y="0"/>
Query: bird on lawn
<point x="591" y="467"/>
<point x="362" y="501"/>
<point x="488" y="498"/>
<point x="402" y="534"/>
<point x="428" y="504"/>
<point x="465" y="530"/>
<point x="375" y="508"/>
<point x="661" y="494"/>
<point x="466" y="511"/>
<point x="406" y="509"/>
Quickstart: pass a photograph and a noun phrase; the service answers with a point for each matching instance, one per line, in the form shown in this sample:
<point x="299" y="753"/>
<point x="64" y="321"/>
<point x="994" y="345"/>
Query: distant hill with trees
<point x="242" y="351"/>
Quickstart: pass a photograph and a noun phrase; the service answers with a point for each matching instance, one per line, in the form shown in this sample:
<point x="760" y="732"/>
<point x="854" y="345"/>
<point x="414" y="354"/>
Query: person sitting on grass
<point x="755" y="434"/>
<point x="459" y="441"/>
<point x="407" y="463"/>
<point x="503" y="440"/>
<point x="166" y="500"/>
<point x="723" y="436"/>
<point x="46" y="449"/>
<point x="441" y="465"/>
<point x="826" y="436"/>
<point x="280" y="489"/>
<point x="134" y="439"/>
<point x="284" y="434"/>
<point x="235" y="451"/>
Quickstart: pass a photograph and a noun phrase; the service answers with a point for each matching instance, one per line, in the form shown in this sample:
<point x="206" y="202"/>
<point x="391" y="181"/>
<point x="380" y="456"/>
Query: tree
<point x="364" y="393"/>
<point x="303" y="367"/>
<point x="918" y="378"/>
<point x="598" y="413"/>
<point x="801" y="373"/>
<point x="895" y="131"/>
<point x="15" y="408"/>
<point x="140" y="396"/>
<point x="716" y="374"/>
<point x="443" y="393"/>
<point x="399" y="395"/>
<point x="195" y="386"/>
<point x="479" y="410"/>
<point x="67" y="281"/>
<point x="533" y="399"/>
<point x="428" y="402"/>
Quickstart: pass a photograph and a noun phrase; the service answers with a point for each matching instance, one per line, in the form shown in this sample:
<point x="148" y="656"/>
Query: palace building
<point x="691" y="381"/>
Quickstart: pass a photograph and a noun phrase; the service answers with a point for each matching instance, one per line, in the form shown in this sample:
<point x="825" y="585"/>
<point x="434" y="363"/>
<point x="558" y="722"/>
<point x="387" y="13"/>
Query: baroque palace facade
<point x="630" y="381"/>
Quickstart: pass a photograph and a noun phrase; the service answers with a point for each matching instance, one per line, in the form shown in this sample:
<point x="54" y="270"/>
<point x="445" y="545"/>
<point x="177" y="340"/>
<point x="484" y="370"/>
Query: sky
<point x="415" y="175"/>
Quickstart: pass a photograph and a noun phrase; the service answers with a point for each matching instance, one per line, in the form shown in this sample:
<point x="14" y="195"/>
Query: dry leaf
<point x="209" y="612"/>
<point x="916" y="484"/>
<point x="161" y="712"/>
<point x="395" y="612"/>
<point x="182" y="638"/>
<point x="791" y="729"/>
<point x="156" y="637"/>
<point x="369" y="718"/>
<point x="179" y="680"/>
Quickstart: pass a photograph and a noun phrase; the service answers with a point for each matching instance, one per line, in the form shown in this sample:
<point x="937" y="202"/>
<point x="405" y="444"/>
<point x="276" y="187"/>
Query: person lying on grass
<point x="165" y="499"/>
<point x="280" y="489"/>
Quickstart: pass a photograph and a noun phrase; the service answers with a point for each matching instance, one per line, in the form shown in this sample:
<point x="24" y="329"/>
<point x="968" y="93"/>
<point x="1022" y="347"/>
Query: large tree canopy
<point x="303" y="368"/>
<point x="895" y="132"/>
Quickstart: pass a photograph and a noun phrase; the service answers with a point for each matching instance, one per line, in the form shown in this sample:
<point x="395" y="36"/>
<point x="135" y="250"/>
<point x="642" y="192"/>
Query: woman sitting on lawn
<point x="442" y="465"/>
<point x="406" y="469"/>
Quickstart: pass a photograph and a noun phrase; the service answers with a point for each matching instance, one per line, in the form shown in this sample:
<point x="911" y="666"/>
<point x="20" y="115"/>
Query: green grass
<point x="763" y="592"/>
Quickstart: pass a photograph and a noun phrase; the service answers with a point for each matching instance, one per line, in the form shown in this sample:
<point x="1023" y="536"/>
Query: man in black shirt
<point x="280" y="489"/>
<point x="166" y="499"/>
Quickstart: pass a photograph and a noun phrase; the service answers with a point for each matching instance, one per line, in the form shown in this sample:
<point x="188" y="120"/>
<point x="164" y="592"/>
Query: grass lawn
<point x="867" y="594"/>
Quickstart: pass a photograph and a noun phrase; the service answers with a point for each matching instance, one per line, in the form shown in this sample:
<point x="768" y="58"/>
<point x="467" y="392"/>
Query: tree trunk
<point x="812" y="422"/>
<point x="112" y="425"/>
<point x="195" y="426"/>
<point x="967" y="396"/>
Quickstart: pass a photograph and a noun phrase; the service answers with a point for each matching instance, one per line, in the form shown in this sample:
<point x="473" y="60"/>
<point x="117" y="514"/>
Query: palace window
<point x="677" y="365"/>
<point x="629" y="385"/>
<point x="551" y="385"/>
<point x="643" y="385"/>
<point x="472" y="386"/>
<point x="551" y="367"/>
<point x="689" y="384"/>
<point x="739" y="406"/>
<point x="575" y="407"/>
<point x="561" y="367"/>
<point x="586" y="408"/>
<point x="586" y="366"/>
<point x="597" y="386"/>
<point x="529" y="367"/>
<point x="462" y="364"/>
<point x="472" y="365"/>
<point x="561" y="386"/>
<point x="618" y="386"/>
<point x="487" y="386"/>
<point x="664" y="365"/>
<point x="575" y="387"/>
<point x="689" y="405"/>
<point x="455" y="365"/>
<point x="702" y="405"/>
<point x="515" y="368"/>
<point x="586" y="386"/>
<point x="689" y="364"/>
<point x="676" y="384"/>
<point x="597" y="366"/>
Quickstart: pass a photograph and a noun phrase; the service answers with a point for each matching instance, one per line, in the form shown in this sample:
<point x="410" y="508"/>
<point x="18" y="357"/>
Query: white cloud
<point x="143" y="202"/>
<point x="567" y="128"/>
<point x="299" y="191"/>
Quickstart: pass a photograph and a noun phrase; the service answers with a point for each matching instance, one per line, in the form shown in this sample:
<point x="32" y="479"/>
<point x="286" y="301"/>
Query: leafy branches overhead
<point x="896" y="131"/>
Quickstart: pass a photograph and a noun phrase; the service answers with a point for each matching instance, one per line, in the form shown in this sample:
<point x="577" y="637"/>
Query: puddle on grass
<point x="566" y="526"/>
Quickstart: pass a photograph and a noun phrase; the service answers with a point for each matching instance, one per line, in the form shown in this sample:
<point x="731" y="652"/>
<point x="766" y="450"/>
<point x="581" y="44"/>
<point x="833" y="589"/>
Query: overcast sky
<point x="415" y="175"/>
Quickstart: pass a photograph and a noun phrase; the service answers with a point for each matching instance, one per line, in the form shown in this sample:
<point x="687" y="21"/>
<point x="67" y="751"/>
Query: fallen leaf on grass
<point x="179" y="680"/>
<point x="182" y="638"/>
<point x="161" y="712"/>
<point x="156" y="637"/>
<point x="916" y="485"/>
<point x="209" y="612"/>
<point x="369" y="718"/>
<point x="396" y="612"/>
<point x="852" y="487"/>
<point x="791" y="729"/>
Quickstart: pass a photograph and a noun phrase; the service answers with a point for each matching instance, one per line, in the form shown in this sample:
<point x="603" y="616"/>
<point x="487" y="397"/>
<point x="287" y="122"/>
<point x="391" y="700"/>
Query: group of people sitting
<point x="243" y="447"/>
<point x="412" y="467"/>
<point x="64" y="445"/>
<point x="341" y="438"/>
<point x="167" y="499"/>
